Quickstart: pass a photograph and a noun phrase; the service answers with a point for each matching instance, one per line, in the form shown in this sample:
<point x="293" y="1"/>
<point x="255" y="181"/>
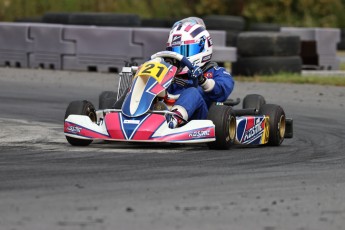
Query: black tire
<point x="105" y="19"/>
<point x="253" y="101"/>
<point x="341" y="44"/>
<point x="231" y="37"/>
<point x="80" y="108"/>
<point x="277" y="123"/>
<point x="224" y="120"/>
<point x="156" y="23"/>
<point x="253" y="44"/>
<point x="264" y="27"/>
<point x="224" y="22"/>
<point x="107" y="100"/>
<point x="249" y="66"/>
<point x="29" y="20"/>
<point x="118" y="103"/>
<point x="56" y="18"/>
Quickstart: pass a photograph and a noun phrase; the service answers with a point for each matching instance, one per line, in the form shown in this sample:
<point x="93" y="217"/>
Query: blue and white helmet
<point x="190" y="38"/>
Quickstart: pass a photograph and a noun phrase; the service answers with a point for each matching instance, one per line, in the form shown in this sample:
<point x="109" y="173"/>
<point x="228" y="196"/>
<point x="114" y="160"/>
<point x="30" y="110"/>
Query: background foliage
<point x="320" y="13"/>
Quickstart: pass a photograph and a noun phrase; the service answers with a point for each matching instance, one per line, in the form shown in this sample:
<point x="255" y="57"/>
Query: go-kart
<point x="139" y="113"/>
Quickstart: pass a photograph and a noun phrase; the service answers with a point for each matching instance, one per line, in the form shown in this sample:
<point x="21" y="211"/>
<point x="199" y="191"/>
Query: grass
<point x="333" y="80"/>
<point x="296" y="79"/>
<point x="342" y="66"/>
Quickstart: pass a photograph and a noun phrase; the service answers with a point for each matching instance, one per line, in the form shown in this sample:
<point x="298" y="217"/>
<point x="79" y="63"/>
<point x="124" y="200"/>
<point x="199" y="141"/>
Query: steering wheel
<point x="178" y="57"/>
<point x="173" y="55"/>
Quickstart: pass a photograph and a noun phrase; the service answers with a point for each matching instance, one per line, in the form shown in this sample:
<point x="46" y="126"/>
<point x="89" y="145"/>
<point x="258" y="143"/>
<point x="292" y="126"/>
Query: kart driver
<point x="190" y="38"/>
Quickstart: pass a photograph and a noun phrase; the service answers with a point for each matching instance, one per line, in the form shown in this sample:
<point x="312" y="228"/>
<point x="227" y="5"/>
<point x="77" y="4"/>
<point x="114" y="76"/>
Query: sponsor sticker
<point x="199" y="133"/>
<point x="254" y="131"/>
<point x="131" y="122"/>
<point x="206" y="58"/>
<point x="176" y="40"/>
<point x="208" y="75"/>
<point x="74" y="129"/>
<point x="227" y="73"/>
<point x="210" y="42"/>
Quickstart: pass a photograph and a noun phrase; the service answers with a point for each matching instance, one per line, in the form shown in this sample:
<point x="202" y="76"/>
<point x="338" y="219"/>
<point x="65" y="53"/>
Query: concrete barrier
<point x="88" y="48"/>
<point x="15" y="44"/>
<point x="104" y="49"/>
<point x="318" y="46"/>
<point x="48" y="46"/>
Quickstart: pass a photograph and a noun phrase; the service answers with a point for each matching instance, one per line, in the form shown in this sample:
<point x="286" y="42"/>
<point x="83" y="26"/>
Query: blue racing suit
<point x="195" y="100"/>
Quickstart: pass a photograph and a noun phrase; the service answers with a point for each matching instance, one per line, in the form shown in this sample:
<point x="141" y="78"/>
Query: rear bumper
<point x="288" y="128"/>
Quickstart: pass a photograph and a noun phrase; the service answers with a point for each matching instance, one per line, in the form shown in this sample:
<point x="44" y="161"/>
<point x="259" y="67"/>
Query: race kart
<point x="139" y="112"/>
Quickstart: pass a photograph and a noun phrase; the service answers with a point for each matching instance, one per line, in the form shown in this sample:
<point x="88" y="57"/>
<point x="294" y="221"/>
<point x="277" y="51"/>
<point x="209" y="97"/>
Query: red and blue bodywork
<point x="139" y="121"/>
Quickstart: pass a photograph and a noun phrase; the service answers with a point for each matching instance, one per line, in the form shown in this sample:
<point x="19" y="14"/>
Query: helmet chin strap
<point x="209" y="65"/>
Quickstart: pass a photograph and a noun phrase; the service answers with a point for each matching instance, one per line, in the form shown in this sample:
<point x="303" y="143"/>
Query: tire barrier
<point x="29" y="20"/>
<point x="266" y="65"/>
<point x="264" y="27"/>
<point x="341" y="44"/>
<point x="318" y="47"/>
<point x="105" y="19"/>
<point x="88" y="48"/>
<point x="267" y="53"/>
<point x="157" y="22"/>
<point x="56" y="18"/>
<point x="224" y="22"/>
<point x="252" y="44"/>
<point x="93" y="19"/>
<point x="233" y="25"/>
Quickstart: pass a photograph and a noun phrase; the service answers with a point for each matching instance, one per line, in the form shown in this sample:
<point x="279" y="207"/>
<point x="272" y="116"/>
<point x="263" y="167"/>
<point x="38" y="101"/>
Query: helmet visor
<point x="186" y="50"/>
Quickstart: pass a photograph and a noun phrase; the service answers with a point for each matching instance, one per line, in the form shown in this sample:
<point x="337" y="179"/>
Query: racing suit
<point x="196" y="101"/>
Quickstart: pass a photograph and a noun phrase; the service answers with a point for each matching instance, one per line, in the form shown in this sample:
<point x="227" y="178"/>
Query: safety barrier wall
<point x="48" y="46"/>
<point x="15" y="45"/>
<point x="103" y="49"/>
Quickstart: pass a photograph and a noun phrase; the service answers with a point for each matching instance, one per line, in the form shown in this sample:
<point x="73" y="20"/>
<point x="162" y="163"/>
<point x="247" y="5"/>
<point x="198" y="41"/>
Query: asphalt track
<point x="47" y="184"/>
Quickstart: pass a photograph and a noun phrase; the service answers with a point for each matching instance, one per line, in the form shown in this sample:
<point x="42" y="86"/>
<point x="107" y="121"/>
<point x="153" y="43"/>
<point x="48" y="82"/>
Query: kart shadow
<point x="144" y="145"/>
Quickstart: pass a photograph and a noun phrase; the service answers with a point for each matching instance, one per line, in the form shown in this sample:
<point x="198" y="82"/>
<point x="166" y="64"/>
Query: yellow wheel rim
<point x="281" y="126"/>
<point x="232" y="128"/>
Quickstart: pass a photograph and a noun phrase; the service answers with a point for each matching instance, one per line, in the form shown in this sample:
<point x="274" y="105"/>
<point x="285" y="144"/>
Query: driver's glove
<point x="197" y="73"/>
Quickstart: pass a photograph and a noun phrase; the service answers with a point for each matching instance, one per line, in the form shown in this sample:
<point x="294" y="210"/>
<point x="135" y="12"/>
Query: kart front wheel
<point x="107" y="99"/>
<point x="277" y="123"/>
<point x="223" y="117"/>
<point x="81" y="108"/>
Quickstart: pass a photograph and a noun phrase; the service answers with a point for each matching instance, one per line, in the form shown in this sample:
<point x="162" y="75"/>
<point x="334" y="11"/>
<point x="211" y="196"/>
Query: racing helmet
<point x="190" y="38"/>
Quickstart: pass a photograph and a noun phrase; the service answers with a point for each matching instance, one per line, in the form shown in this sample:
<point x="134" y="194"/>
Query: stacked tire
<point x="158" y="22"/>
<point x="266" y="53"/>
<point x="233" y="25"/>
<point x="93" y="19"/>
<point x="264" y="27"/>
<point x="341" y="44"/>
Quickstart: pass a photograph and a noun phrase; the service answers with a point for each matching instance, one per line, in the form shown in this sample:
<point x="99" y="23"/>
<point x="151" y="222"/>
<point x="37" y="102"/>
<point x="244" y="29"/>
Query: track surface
<point x="47" y="184"/>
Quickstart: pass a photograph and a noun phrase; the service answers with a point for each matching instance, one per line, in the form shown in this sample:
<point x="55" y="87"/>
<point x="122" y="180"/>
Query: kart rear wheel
<point x="277" y="123"/>
<point x="253" y="101"/>
<point x="81" y="108"/>
<point x="107" y="99"/>
<point x="224" y="120"/>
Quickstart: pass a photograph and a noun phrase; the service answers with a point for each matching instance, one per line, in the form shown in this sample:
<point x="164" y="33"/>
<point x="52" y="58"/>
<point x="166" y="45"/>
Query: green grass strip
<point x="295" y="78"/>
